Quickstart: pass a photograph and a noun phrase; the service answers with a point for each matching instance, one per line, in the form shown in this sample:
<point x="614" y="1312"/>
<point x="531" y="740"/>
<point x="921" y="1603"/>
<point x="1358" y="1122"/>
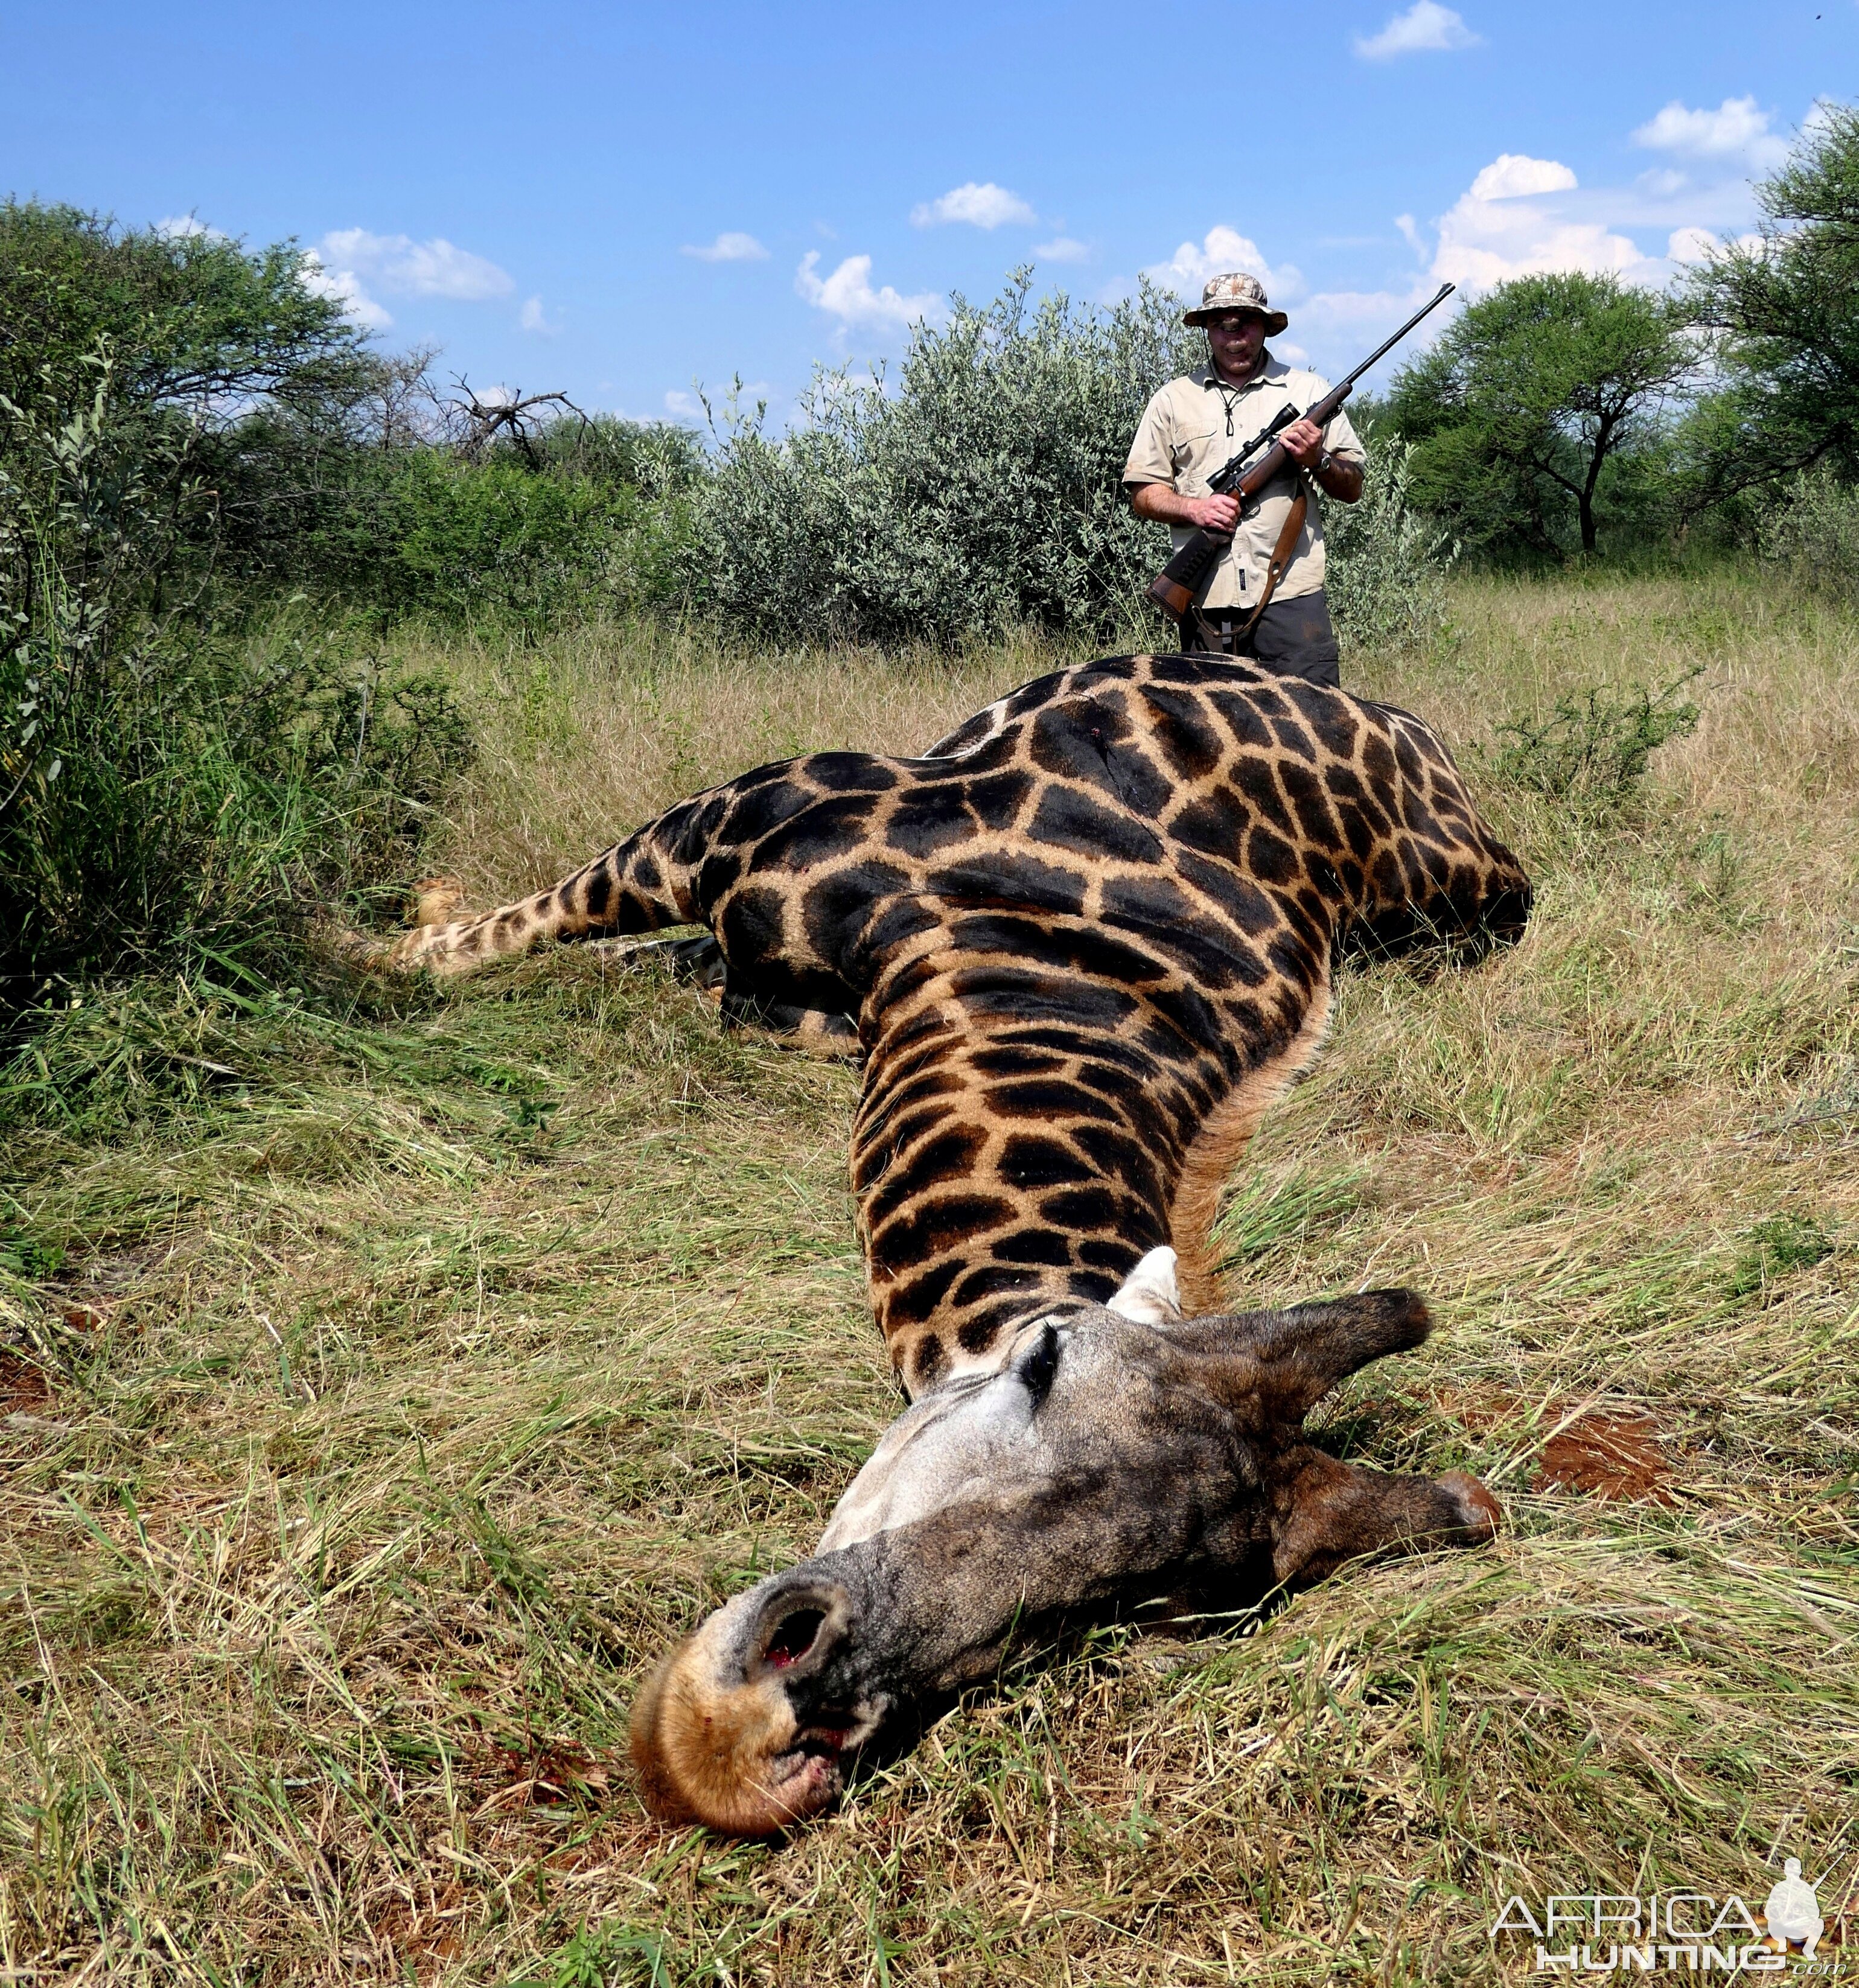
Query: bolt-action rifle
<point x="1173" y="589"/>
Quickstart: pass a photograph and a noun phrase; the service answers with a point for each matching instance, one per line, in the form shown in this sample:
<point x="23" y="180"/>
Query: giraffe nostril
<point x="794" y="1636"/>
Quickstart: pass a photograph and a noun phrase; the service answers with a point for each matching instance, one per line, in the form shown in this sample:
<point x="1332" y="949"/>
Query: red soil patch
<point x="545" y="1772"/>
<point x="24" y="1390"/>
<point x="1612" y="1453"/>
<point x="1609" y="1454"/>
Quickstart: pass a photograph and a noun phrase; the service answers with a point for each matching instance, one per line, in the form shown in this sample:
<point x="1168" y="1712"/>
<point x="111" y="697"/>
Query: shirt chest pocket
<point x="1191" y="454"/>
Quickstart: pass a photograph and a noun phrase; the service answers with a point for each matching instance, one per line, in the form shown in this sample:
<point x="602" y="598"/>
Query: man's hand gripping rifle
<point x="1173" y="589"/>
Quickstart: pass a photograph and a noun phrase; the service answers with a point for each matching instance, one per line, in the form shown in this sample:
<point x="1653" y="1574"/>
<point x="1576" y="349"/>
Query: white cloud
<point x="1735" y="130"/>
<point x="1511" y="174"/>
<point x="732" y="246"/>
<point x="397" y="263"/>
<point x="1425" y="27"/>
<point x="178" y="227"/>
<point x="985" y="205"/>
<point x="685" y="407"/>
<point x="1692" y="245"/>
<point x="344" y="287"/>
<point x="1524" y="216"/>
<point x="1494" y="232"/>
<point x="847" y="294"/>
<point x="533" y="317"/>
<point x="1061" y="249"/>
<point x="1221" y="249"/>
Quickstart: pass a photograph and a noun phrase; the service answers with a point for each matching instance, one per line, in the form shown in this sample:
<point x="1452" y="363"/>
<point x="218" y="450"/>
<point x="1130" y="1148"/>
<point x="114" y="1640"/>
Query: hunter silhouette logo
<point x="1793" y="1912"/>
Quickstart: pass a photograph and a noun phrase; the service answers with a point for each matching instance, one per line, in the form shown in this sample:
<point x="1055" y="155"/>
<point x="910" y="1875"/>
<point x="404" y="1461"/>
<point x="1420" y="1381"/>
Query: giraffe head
<point x="1119" y="1454"/>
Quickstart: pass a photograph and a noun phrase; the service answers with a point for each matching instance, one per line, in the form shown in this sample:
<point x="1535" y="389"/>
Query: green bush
<point x="657" y="458"/>
<point x="983" y="495"/>
<point x="206" y="795"/>
<point x="167" y="788"/>
<point x="588" y="517"/>
<point x="1385" y="562"/>
<point x="425" y="534"/>
<point x="1812" y="533"/>
<point x="1593" y="752"/>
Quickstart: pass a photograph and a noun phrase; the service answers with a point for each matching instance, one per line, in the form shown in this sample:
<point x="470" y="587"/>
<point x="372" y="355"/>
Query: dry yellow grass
<point x="412" y="1376"/>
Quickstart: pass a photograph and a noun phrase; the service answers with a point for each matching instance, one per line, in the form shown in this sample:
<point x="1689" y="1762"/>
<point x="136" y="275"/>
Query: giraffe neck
<point x="1044" y="1104"/>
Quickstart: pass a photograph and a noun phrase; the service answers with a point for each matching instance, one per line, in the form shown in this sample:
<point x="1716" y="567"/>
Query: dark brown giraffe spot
<point x="1030" y="1161"/>
<point x="1033" y="1246"/>
<point x="911" y="1303"/>
<point x="1067" y="819"/>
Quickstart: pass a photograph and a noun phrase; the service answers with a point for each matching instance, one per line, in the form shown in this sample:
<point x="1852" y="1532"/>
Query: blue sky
<point x="530" y="188"/>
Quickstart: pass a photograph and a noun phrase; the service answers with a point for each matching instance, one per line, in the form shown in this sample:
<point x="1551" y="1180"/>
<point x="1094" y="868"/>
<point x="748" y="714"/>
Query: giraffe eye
<point x="1041" y="1362"/>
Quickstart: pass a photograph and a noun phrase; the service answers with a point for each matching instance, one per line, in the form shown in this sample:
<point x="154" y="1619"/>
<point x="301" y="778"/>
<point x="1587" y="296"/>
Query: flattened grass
<point x="381" y="1390"/>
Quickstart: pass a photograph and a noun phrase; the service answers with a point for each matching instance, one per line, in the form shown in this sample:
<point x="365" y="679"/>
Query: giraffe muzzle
<point x="740" y="1727"/>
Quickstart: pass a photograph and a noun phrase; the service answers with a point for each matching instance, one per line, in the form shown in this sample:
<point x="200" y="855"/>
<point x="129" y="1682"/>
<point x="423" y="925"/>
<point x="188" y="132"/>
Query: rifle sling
<point x="1288" y="536"/>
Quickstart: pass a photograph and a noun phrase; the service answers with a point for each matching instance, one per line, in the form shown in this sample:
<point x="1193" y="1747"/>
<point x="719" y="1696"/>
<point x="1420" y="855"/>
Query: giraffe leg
<point x="816" y="1031"/>
<point x="639" y="885"/>
<point x="697" y="960"/>
<point x="812" y="1031"/>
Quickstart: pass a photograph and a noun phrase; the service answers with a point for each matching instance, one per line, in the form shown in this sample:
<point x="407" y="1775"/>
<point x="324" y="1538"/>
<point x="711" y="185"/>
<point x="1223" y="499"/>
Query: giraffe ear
<point x="1288" y="1360"/>
<point x="1150" y="1294"/>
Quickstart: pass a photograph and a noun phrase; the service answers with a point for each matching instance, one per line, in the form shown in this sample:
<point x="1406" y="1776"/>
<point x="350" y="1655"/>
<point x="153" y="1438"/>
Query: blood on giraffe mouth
<point x="811" y="1773"/>
<point x="823" y="1741"/>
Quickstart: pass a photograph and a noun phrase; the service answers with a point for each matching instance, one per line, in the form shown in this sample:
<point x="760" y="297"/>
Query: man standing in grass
<point x="1190" y="430"/>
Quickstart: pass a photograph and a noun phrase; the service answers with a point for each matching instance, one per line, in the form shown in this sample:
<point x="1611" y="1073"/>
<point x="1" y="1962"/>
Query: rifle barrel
<point x="1426" y="310"/>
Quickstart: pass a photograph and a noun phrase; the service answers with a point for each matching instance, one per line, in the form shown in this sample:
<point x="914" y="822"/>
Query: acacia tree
<point x="1784" y="307"/>
<point x="1531" y="397"/>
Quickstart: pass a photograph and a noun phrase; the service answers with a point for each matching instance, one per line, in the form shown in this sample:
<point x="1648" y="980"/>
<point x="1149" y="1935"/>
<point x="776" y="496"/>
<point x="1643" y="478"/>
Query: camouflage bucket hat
<point x="1237" y="292"/>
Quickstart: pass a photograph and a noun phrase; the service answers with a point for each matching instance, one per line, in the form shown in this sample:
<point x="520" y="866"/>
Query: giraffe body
<point x="1081" y="944"/>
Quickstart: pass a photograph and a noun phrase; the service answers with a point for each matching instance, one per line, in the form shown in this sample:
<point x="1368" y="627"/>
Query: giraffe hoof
<point x="436" y="900"/>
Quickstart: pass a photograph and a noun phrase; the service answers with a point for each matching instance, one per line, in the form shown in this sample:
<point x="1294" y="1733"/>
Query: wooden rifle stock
<point x="1173" y="589"/>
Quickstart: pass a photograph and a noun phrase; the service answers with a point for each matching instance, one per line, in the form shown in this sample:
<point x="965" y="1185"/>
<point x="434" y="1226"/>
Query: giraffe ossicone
<point x="1081" y="944"/>
<point x="1152" y="1294"/>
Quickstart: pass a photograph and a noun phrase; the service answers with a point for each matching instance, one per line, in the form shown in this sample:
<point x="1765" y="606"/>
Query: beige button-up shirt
<point x="1190" y="429"/>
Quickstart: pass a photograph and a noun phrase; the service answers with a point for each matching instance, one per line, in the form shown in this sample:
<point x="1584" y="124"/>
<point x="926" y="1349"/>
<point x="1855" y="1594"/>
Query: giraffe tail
<point x="641" y="885"/>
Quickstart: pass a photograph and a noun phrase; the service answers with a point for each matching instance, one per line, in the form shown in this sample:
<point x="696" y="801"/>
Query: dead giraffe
<point x="1082" y="943"/>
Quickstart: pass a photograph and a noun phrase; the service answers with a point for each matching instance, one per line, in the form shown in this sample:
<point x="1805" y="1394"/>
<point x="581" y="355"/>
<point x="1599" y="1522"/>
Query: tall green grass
<point x="203" y="797"/>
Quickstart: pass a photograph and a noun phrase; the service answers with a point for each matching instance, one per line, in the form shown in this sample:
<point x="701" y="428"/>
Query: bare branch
<point x="483" y="420"/>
